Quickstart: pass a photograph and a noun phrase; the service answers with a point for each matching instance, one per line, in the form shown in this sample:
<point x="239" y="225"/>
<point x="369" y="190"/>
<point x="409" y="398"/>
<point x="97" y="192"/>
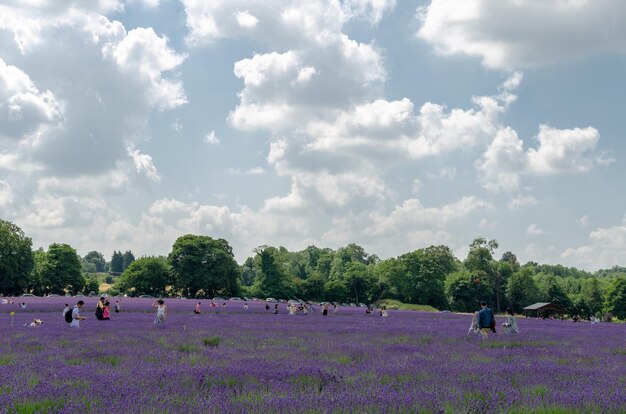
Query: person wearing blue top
<point x="486" y="319"/>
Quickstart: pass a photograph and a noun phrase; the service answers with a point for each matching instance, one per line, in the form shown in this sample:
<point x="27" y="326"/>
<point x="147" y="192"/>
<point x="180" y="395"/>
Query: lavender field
<point x="252" y="361"/>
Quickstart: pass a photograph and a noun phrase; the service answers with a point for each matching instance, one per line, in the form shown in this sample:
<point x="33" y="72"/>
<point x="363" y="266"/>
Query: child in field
<point x="197" y="309"/>
<point x="245" y="306"/>
<point x="161" y="312"/>
<point x="473" y="328"/>
<point x="383" y="312"/>
<point x="510" y="326"/>
<point x="117" y="306"/>
<point x="276" y="309"/>
<point x="106" y="311"/>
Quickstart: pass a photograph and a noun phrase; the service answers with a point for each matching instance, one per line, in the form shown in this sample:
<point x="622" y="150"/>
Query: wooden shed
<point x="543" y="310"/>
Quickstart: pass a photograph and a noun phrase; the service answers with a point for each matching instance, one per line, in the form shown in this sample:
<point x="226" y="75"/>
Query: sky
<point x="391" y="124"/>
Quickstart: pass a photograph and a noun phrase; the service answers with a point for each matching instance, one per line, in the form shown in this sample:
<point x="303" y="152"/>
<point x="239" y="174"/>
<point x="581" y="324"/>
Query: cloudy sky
<point x="393" y="124"/>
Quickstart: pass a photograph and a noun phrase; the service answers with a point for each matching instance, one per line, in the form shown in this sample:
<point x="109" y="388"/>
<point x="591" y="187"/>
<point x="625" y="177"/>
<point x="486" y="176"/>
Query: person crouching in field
<point x="161" y="312"/>
<point x="510" y="325"/>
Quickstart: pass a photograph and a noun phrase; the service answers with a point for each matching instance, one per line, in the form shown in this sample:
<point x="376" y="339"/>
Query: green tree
<point x="127" y="258"/>
<point x="426" y="271"/>
<point x="616" y="298"/>
<point x="61" y="270"/>
<point x="465" y="291"/>
<point x="91" y="285"/>
<point x="146" y="276"/>
<point x="203" y="266"/>
<point x="335" y="291"/>
<point x="521" y="290"/>
<point x="16" y="259"/>
<point x="272" y="280"/>
<point x="313" y="288"/>
<point x="97" y="259"/>
<point x="359" y="281"/>
<point x="117" y="262"/>
<point x="480" y="262"/>
<point x="594" y="295"/>
<point x="391" y="275"/>
<point x="248" y="272"/>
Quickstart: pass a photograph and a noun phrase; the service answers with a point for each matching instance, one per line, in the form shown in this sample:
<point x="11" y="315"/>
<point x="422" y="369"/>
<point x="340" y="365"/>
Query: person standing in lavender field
<point x="76" y="318"/>
<point x="510" y="325"/>
<point x="486" y="319"/>
<point x="161" y="312"/>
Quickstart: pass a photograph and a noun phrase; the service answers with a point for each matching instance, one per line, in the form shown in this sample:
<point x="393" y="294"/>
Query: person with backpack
<point x="73" y="317"/>
<point x="486" y="320"/>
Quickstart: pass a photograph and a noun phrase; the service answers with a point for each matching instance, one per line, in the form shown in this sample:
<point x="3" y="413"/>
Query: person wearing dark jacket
<point x="486" y="320"/>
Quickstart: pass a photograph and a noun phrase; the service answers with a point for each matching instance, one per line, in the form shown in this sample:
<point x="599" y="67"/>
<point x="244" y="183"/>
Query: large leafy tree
<point x="202" y="265"/>
<point x="127" y="258"/>
<point x="117" y="262"/>
<point x="147" y="275"/>
<point x="16" y="259"/>
<point x="616" y="298"/>
<point x="426" y="271"/>
<point x="480" y="262"/>
<point x="271" y="278"/>
<point x="61" y="270"/>
<point x="521" y="289"/>
<point x="360" y="282"/>
<point x="465" y="291"/>
<point x="97" y="259"/>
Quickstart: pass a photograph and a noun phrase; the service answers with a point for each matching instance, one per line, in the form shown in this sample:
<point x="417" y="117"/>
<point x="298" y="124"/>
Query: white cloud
<point x="246" y="20"/>
<point x="534" y="230"/>
<point x="23" y="108"/>
<point x="250" y="171"/>
<point x="563" y="150"/>
<point x="521" y="201"/>
<point x="583" y="221"/>
<point x="144" y="52"/>
<point x="606" y="248"/>
<point x="211" y="138"/>
<point x="143" y="164"/>
<point x="515" y="34"/>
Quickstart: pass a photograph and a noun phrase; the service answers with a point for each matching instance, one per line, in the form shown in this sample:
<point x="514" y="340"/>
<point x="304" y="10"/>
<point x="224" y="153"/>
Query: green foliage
<point x="212" y="341"/>
<point x="359" y="281"/>
<point x="313" y="288"/>
<point x="127" y="258"/>
<point x="397" y="305"/>
<point x="117" y="262"/>
<point x="426" y="270"/>
<point x="97" y="260"/>
<point x="465" y="291"/>
<point x="616" y="298"/>
<point x="521" y="290"/>
<point x="146" y="276"/>
<point x="16" y="259"/>
<point x="335" y="291"/>
<point x="203" y="266"/>
<point x="91" y="285"/>
<point x="272" y="280"/>
<point x="59" y="270"/>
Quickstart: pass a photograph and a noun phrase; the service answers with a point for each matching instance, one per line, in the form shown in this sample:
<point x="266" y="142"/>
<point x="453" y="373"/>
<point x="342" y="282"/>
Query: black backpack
<point x="68" y="315"/>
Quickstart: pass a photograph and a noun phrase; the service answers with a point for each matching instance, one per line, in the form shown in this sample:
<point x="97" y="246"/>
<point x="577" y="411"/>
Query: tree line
<point x="204" y="267"/>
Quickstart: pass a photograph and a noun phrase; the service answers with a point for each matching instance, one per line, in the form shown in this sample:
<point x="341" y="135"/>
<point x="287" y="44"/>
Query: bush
<point x="212" y="341"/>
<point x="397" y="305"/>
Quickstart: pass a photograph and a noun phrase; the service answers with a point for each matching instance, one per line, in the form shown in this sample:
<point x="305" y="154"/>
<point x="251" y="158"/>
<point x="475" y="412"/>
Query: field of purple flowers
<point x="252" y="361"/>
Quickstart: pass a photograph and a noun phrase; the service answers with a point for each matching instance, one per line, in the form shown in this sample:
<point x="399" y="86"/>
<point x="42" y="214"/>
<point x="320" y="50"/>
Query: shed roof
<point x="536" y="306"/>
<point x="543" y="306"/>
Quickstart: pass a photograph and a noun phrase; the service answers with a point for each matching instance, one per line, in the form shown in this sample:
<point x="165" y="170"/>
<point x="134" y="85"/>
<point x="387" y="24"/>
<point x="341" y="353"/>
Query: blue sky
<point x="394" y="125"/>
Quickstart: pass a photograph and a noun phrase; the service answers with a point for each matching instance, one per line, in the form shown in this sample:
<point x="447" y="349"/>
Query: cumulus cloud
<point x="559" y="151"/>
<point x="23" y="107"/>
<point x="510" y="34"/>
<point x="606" y="247"/>
<point x="211" y="138"/>
<point x="534" y="230"/>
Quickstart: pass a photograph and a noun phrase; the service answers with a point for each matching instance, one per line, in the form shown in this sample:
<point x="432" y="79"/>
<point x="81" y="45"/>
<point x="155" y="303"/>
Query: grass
<point x="397" y="305"/>
<point x="212" y="341"/>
